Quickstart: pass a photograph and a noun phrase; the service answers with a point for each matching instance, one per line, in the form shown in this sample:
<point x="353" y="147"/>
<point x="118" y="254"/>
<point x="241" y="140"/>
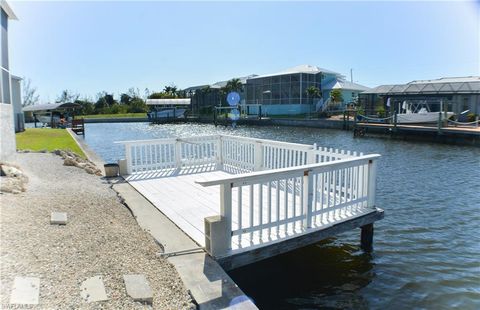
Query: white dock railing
<point x="233" y="154"/>
<point x="266" y="206"/>
<point x="277" y="189"/>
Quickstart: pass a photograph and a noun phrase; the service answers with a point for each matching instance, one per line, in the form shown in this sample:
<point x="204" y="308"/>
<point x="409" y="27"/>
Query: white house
<point x="7" y="127"/>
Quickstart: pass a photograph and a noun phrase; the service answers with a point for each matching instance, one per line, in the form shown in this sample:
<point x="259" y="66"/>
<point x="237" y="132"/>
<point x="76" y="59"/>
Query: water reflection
<point x="327" y="274"/>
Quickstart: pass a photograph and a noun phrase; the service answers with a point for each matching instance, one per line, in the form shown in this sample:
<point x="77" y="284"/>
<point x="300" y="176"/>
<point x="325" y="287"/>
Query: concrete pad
<point x="58" y="218"/>
<point x="25" y="291"/>
<point x="138" y="288"/>
<point x="93" y="289"/>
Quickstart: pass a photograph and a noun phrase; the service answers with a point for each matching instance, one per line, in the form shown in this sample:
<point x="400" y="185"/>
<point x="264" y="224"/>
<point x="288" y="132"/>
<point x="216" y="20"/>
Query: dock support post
<point x="439" y="127"/>
<point x="366" y="238"/>
<point x="395" y="122"/>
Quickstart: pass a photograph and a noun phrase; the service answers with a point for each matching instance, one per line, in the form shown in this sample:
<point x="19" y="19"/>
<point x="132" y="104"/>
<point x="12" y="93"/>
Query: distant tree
<point x="146" y="93"/>
<point x="104" y="102"/>
<point x="156" y="95"/>
<point x="137" y="105"/>
<point x="336" y="95"/>
<point x="234" y="85"/>
<point x="87" y="106"/>
<point x="125" y="99"/>
<point x="67" y="96"/>
<point x="29" y="93"/>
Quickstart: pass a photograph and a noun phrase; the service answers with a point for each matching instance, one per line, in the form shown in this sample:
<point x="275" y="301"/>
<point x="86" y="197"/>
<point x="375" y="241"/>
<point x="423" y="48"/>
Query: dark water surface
<point x="426" y="250"/>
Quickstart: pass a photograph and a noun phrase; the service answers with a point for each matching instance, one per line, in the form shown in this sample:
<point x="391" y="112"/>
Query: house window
<point x="465" y="104"/>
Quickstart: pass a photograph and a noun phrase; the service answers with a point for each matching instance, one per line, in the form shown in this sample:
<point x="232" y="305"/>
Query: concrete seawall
<point x="313" y="123"/>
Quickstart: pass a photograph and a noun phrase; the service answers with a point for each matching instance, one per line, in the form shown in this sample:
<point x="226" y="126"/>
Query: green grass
<point x="121" y="115"/>
<point x="39" y="139"/>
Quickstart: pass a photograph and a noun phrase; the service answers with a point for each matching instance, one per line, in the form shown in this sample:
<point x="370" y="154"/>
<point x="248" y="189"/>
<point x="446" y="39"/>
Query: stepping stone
<point x="93" y="289"/>
<point x="138" y="288"/>
<point x="59" y="218"/>
<point x="25" y="291"/>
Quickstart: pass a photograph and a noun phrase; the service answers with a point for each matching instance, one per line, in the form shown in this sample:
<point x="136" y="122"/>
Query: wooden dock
<point x="245" y="199"/>
<point x="446" y="133"/>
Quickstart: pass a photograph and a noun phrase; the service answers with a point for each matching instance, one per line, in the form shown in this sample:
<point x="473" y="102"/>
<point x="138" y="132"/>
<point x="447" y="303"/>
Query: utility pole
<point x="351" y="75"/>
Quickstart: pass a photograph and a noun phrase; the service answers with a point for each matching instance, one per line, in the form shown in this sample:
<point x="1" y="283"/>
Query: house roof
<point x="8" y="10"/>
<point x="301" y="69"/>
<point x="453" y="85"/>
<point x="50" y="106"/>
<point x="343" y="84"/>
<point x="242" y="79"/>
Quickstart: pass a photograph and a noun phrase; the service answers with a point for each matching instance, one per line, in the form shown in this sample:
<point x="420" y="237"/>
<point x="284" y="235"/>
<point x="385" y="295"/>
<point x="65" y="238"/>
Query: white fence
<point x="278" y="189"/>
<point x="234" y="154"/>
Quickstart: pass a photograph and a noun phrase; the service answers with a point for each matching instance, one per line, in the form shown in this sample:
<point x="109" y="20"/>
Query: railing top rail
<point x="259" y="140"/>
<point x="249" y="178"/>
<point x="274" y="142"/>
<point x="167" y="140"/>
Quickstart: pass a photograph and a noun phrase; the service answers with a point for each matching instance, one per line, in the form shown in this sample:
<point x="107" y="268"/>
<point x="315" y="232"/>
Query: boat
<point x="47" y="119"/>
<point x="167" y="113"/>
<point x="419" y="112"/>
<point x="167" y="108"/>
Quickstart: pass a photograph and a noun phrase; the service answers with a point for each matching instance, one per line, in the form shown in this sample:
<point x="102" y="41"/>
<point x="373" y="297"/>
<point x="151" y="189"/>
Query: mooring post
<point x="366" y="238"/>
<point x="439" y="127"/>
<point x="395" y="121"/>
<point x="215" y="116"/>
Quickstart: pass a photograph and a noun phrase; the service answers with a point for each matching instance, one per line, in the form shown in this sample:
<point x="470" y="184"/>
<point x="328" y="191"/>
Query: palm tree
<point x="313" y="92"/>
<point x="234" y="85"/>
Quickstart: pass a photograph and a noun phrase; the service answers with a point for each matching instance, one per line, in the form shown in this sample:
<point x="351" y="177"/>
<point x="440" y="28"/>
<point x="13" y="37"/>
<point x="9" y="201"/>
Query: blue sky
<point x="88" y="47"/>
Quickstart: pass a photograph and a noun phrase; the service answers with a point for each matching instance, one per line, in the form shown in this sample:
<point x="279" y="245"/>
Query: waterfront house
<point x="7" y="128"/>
<point x="457" y="94"/>
<point x="209" y="95"/>
<point x="285" y="92"/>
<point x="282" y="93"/>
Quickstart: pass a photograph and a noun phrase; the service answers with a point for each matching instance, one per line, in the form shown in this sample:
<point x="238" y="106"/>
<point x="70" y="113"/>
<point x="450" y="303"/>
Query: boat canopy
<point x="169" y="102"/>
<point x="51" y="107"/>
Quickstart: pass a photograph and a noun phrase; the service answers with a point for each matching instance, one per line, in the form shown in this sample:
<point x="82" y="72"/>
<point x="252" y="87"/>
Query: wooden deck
<point x="177" y="195"/>
<point x="467" y="130"/>
<point x="246" y="199"/>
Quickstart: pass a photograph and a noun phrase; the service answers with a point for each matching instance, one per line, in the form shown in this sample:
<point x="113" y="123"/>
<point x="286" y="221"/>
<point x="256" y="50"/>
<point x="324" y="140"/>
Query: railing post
<point x="311" y="155"/>
<point x="219" y="155"/>
<point x="372" y="182"/>
<point x="128" y="157"/>
<point x="258" y="156"/>
<point x="307" y="198"/>
<point x="178" y="154"/>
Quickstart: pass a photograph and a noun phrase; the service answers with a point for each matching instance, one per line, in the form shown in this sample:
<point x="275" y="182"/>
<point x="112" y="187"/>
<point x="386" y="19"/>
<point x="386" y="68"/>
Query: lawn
<point x="124" y="115"/>
<point x="38" y="139"/>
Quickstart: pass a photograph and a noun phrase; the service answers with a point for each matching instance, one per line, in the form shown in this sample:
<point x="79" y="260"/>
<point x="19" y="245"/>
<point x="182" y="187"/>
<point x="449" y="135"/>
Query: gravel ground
<point x="101" y="238"/>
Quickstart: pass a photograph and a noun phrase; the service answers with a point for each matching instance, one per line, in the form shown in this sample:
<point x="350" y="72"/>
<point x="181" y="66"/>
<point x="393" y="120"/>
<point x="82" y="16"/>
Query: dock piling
<point x="366" y="238"/>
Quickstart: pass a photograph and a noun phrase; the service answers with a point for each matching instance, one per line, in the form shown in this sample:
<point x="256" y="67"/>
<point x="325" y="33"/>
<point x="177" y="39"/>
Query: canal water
<point x="426" y="250"/>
